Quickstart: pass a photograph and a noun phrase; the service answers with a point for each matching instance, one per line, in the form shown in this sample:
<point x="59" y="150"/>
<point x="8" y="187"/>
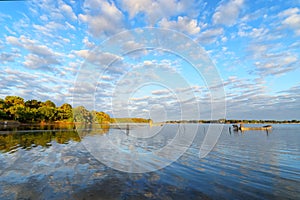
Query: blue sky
<point x="254" y="45"/>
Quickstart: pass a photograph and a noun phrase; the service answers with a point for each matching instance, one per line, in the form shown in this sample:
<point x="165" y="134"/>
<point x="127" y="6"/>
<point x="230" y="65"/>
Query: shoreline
<point x="17" y="123"/>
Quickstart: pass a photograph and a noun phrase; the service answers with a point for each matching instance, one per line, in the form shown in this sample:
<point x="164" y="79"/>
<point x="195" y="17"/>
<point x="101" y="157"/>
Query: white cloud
<point x="30" y="45"/>
<point x="272" y="58"/>
<point x="50" y="9"/>
<point x="41" y="50"/>
<point x="289" y="12"/>
<point x="33" y="61"/>
<point x="87" y="43"/>
<point x="211" y="35"/>
<point x="102" y="17"/>
<point x="248" y="99"/>
<point x="67" y="10"/>
<point x="256" y="50"/>
<point x="13" y="40"/>
<point x="44" y="17"/>
<point x="97" y="58"/>
<point x="224" y="39"/>
<point x="154" y="10"/>
<point x="291" y="19"/>
<point x="40" y="56"/>
<point x="259" y="34"/>
<point x="48" y="29"/>
<point x="227" y="13"/>
<point x="131" y="45"/>
<point x="8" y="57"/>
<point x="289" y="59"/>
<point x="4" y="17"/>
<point x="157" y="10"/>
<point x="161" y="92"/>
<point x="148" y="62"/>
<point x="9" y="30"/>
<point x="33" y="85"/>
<point x="183" y="24"/>
<point x="277" y="66"/>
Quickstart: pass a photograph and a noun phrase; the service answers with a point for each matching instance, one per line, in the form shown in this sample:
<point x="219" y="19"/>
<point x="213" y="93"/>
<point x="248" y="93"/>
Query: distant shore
<point x="62" y="123"/>
<point x="234" y="121"/>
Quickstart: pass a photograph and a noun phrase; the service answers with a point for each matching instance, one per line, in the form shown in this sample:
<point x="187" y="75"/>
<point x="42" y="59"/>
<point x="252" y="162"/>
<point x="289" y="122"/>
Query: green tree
<point x="47" y="113"/>
<point x="16" y="112"/>
<point x="101" y="117"/>
<point x="65" y="112"/>
<point x="2" y="111"/>
<point x="2" y="104"/>
<point x="81" y="114"/>
<point x="49" y="103"/>
<point x="13" y="100"/>
<point x="3" y="114"/>
<point x="33" y="104"/>
<point x="13" y="107"/>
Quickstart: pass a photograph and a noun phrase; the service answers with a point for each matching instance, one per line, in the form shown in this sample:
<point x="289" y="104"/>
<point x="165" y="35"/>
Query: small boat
<point x="242" y="128"/>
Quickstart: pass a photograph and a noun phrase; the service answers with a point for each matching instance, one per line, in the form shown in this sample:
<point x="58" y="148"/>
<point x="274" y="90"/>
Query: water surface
<point x="53" y="163"/>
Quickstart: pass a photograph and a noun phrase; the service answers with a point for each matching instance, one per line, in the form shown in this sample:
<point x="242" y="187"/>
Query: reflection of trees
<point x="31" y="139"/>
<point x="43" y="135"/>
<point x="84" y="129"/>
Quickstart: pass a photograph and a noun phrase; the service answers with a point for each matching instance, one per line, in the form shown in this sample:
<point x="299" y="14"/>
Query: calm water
<point x="54" y="163"/>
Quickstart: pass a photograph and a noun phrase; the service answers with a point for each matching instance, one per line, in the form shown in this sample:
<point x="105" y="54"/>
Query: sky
<point x="159" y="59"/>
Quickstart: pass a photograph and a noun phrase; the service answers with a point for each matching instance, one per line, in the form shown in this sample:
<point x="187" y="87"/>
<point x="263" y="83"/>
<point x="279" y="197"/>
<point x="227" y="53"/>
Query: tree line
<point x="130" y="120"/>
<point x="31" y="111"/>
